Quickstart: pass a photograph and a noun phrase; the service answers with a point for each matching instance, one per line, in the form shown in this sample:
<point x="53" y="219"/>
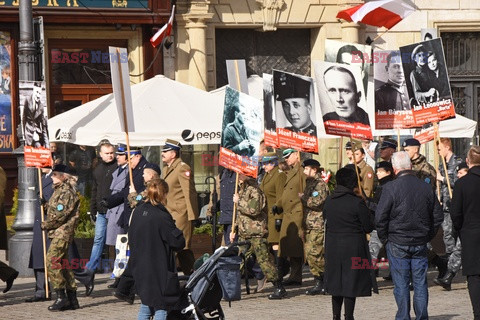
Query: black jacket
<point x="153" y="238"/>
<point x="408" y="212"/>
<point x="102" y="180"/>
<point x="465" y="215"/>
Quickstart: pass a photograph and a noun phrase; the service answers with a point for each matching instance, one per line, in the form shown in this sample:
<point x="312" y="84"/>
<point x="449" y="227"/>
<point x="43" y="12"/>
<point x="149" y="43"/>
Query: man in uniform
<point x="316" y="191"/>
<point x="349" y="152"/>
<point x="181" y="199"/>
<point x="34" y="121"/>
<point x="366" y="172"/>
<point x="252" y="226"/>
<point x="291" y="232"/>
<point x="453" y="246"/>
<point x="235" y="137"/>
<point x="294" y="93"/>
<point x="387" y="148"/>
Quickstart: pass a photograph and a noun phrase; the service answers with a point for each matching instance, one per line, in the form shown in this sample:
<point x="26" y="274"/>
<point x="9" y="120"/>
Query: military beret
<point x="269" y="156"/>
<point x="65" y="169"/>
<point x="171" y="145"/>
<point x="310" y="162"/>
<point x="153" y="167"/>
<point x="287" y="152"/>
<point x="462" y="165"/>
<point x="412" y="142"/>
<point x="287" y="86"/>
<point x="386" y="165"/>
<point x="388" y="143"/>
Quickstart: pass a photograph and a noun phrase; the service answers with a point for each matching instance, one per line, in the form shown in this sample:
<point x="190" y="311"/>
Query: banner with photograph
<point x="295" y="111"/>
<point x="270" y="134"/>
<point x="34" y="115"/>
<point x="425" y="134"/>
<point x="427" y="81"/>
<point x="6" y="106"/>
<point x="392" y="103"/>
<point x="342" y="100"/>
<point x="241" y="132"/>
<point x="353" y="54"/>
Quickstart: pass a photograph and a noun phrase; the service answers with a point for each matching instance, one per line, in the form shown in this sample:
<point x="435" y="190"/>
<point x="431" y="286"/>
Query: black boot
<point x="442" y="266"/>
<point x="114" y="285"/>
<point x="348" y="317"/>
<point x="87" y="278"/>
<point x="335" y="317"/>
<point x="446" y="282"/>
<point x="61" y="303"/>
<point x="318" y="288"/>
<point x="279" y="292"/>
<point x="72" y="298"/>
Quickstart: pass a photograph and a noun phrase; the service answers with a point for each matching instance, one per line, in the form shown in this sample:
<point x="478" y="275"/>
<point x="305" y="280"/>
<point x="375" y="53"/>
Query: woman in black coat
<point x="153" y="238"/>
<point x="347" y="263"/>
<point x="465" y="213"/>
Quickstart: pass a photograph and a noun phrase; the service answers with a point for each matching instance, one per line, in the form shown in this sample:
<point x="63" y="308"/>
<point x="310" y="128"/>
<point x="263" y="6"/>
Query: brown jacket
<point x="367" y="176"/>
<point x="272" y="186"/>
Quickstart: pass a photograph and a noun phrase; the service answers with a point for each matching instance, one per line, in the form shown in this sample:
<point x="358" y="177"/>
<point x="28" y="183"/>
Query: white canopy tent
<point x="163" y="109"/>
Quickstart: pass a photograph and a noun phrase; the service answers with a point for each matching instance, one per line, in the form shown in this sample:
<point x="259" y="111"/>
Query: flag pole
<point x="379" y="36"/>
<point x="44" y="240"/>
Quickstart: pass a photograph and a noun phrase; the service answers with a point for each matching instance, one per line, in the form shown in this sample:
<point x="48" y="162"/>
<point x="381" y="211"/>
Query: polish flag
<point x="379" y="13"/>
<point x="164" y="31"/>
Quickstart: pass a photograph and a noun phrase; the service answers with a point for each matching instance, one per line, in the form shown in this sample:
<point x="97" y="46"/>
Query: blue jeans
<point x="98" y="241"/>
<point x="405" y="261"/>
<point x="146" y="312"/>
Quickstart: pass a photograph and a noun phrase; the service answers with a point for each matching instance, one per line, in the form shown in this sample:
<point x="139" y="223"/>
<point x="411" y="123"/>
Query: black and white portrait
<point x="34" y="113"/>
<point x="269" y="102"/>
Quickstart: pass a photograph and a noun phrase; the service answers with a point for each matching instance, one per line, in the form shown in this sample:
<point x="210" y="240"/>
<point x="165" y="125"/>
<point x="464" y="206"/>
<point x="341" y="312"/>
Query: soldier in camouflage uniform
<point x="150" y="172"/>
<point x="62" y="219"/>
<point x="252" y="226"/>
<point x="313" y="198"/>
<point x="453" y="246"/>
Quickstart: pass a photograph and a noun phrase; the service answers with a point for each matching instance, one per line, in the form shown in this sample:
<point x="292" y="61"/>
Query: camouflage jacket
<point x="452" y="175"/>
<point x="251" y="211"/>
<point x="316" y="191"/>
<point x="425" y="171"/>
<point x="62" y="213"/>
<point x="134" y="198"/>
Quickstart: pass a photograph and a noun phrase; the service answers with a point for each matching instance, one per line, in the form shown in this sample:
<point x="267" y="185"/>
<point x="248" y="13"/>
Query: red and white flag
<point x="379" y="13"/>
<point x="164" y="31"/>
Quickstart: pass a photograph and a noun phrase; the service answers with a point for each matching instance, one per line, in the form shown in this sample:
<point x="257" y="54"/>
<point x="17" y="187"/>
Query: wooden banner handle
<point x="234" y="213"/>
<point x="356" y="169"/>
<point x="44" y="240"/>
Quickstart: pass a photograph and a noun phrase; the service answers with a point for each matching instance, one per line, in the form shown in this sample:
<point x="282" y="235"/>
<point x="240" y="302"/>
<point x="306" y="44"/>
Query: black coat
<point x="465" y="213"/>
<point x="102" y="179"/>
<point x="348" y="220"/>
<point x="408" y="213"/>
<point x="153" y="238"/>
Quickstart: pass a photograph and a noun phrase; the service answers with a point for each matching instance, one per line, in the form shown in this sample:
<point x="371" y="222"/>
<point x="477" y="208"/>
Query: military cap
<point x="269" y="156"/>
<point x="389" y="143"/>
<point x="462" y="165"/>
<point x="348" y="145"/>
<point x="153" y="167"/>
<point x="310" y="163"/>
<point x="386" y="165"/>
<point x="171" y="145"/>
<point x="412" y="142"/>
<point x="419" y="48"/>
<point x="289" y="86"/>
<point x="65" y="169"/>
<point x="287" y="152"/>
<point x="122" y="149"/>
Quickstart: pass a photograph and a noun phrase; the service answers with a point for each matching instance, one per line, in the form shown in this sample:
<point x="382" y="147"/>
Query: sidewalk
<point x="101" y="304"/>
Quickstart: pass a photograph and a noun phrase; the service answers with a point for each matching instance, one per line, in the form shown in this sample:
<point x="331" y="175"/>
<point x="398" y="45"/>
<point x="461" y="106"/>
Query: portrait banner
<point x="295" y="111"/>
<point x="241" y="132"/>
<point x="270" y="133"/>
<point x="392" y="103"/>
<point x="425" y="134"/>
<point x="427" y="81"/>
<point x="342" y="100"/>
<point x="6" y="105"/>
<point x="34" y="115"/>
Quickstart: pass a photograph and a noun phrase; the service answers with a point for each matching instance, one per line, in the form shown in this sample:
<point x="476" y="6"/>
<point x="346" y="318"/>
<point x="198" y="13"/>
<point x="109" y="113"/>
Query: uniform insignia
<point x="427" y="180"/>
<point x="60" y="207"/>
<point x="187" y="174"/>
<point x="315" y="193"/>
<point x="369" y="175"/>
<point x="138" y="197"/>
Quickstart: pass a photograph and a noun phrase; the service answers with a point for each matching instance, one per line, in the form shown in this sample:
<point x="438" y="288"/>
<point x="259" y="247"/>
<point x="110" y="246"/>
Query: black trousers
<point x="474" y="292"/>
<point x="126" y="284"/>
<point x="337" y="302"/>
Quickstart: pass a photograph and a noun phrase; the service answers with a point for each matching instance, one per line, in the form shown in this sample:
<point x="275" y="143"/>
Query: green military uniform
<point x="367" y="177"/>
<point x="316" y="191"/>
<point x="252" y="225"/>
<point x="425" y="171"/>
<point x="272" y="186"/>
<point x="62" y="219"/>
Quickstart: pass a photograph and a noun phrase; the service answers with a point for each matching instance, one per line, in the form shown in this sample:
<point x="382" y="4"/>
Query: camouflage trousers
<point x="60" y="274"/>
<point x="447" y="227"/>
<point x="455" y="259"/>
<point x="314" y="251"/>
<point x="375" y="245"/>
<point x="259" y="247"/>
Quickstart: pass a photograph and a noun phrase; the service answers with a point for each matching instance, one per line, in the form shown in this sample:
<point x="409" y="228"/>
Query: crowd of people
<point x="289" y="215"/>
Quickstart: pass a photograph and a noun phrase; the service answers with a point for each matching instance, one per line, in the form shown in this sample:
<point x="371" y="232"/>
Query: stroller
<point x="219" y="276"/>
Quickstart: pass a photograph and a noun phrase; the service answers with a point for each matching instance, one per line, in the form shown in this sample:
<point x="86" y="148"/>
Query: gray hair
<point x="401" y="161"/>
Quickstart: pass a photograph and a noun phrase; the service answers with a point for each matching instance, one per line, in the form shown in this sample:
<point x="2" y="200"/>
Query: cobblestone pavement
<point x="101" y="304"/>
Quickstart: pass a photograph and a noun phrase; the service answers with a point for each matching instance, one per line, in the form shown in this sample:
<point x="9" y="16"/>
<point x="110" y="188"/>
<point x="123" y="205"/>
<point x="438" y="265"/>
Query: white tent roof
<point x="459" y="127"/>
<point x="163" y="109"/>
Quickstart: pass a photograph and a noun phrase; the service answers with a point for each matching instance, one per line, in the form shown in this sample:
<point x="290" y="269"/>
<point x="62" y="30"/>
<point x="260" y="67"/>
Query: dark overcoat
<point x="465" y="215"/>
<point x="153" y="238"/>
<point x="348" y="220"/>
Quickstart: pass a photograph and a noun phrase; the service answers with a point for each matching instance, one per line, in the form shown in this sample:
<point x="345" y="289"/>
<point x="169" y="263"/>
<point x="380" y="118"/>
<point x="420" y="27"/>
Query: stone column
<point x="350" y="30"/>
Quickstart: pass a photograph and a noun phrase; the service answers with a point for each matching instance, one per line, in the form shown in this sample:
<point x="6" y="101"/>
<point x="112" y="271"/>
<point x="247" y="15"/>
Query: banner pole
<point x="398" y="139"/>
<point x="234" y="214"/>
<point x="340" y="153"/>
<point x="356" y="168"/>
<point x="44" y="240"/>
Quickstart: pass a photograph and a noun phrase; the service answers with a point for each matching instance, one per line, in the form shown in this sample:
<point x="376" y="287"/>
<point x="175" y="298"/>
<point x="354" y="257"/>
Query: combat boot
<point x="446" y="282"/>
<point x="72" y="298"/>
<point x="442" y="266"/>
<point x="279" y="292"/>
<point x="318" y="288"/>
<point x="61" y="303"/>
